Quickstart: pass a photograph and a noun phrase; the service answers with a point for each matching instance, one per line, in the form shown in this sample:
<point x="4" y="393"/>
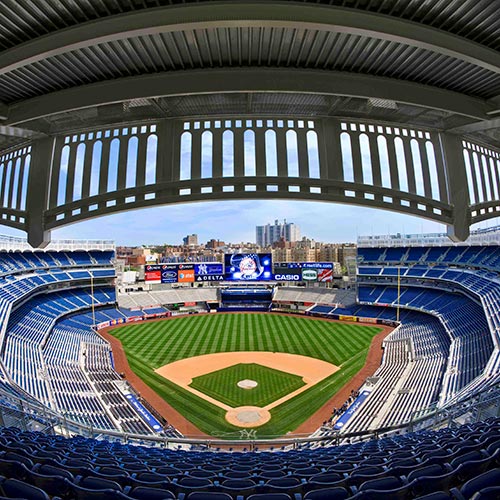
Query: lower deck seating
<point x="411" y="373"/>
<point x="62" y="363"/>
<point x="461" y="461"/>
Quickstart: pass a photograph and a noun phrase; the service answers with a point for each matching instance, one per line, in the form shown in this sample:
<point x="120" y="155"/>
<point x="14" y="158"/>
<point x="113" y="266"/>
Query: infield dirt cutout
<point x="183" y="372"/>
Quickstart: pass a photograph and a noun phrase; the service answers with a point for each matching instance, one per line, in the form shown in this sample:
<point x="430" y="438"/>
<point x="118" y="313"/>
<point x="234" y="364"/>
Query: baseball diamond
<point x="166" y="355"/>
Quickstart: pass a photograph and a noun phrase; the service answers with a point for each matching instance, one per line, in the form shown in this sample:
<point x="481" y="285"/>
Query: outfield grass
<point x="272" y="385"/>
<point x="151" y="345"/>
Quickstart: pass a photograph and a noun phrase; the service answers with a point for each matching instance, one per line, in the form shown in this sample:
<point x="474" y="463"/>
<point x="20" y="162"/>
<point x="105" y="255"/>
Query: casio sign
<point x="287" y="277"/>
<point x="309" y="274"/>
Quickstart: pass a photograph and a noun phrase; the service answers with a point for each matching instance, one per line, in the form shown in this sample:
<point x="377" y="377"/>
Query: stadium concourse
<point x="424" y="422"/>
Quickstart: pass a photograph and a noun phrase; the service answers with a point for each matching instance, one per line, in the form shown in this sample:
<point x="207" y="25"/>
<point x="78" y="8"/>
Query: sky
<point x="235" y="221"/>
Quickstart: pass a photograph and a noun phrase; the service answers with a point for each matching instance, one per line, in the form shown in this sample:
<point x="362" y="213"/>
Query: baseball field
<point x="288" y="366"/>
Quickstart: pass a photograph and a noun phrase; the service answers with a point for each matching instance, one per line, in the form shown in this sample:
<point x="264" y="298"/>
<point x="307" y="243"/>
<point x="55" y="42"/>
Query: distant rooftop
<point x="489" y="236"/>
<point x="14" y="243"/>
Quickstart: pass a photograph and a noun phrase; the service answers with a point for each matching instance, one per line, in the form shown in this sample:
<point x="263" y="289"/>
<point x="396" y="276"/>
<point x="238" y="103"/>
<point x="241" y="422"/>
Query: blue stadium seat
<point x="14" y="488"/>
<point x="145" y="493"/>
<point x="327" y="494"/>
<point x="470" y="488"/>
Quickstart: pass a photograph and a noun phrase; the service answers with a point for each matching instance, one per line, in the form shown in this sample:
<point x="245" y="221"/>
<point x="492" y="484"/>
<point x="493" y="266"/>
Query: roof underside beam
<point x="231" y="80"/>
<point x="249" y="14"/>
<point x="4" y="111"/>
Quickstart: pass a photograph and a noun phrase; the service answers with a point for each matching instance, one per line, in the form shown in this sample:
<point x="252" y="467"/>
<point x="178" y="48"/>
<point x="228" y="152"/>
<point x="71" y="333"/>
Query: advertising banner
<point x="185" y="273"/>
<point x="368" y="320"/>
<point x="304" y="271"/>
<point x="282" y="272"/>
<point x="144" y="413"/>
<point x="209" y="271"/>
<point x="351" y="410"/>
<point x="321" y="272"/>
<point x="348" y="318"/>
<point x="248" y="267"/>
<point x="152" y="273"/>
<point x="169" y="273"/>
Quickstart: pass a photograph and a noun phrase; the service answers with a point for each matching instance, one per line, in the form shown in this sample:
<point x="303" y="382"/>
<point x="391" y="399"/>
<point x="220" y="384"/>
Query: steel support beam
<point x="457" y="186"/>
<point x="249" y="14"/>
<point x="230" y="80"/>
<point x="38" y="189"/>
<point x="479" y="126"/>
<point x="19" y="132"/>
<point x="4" y="111"/>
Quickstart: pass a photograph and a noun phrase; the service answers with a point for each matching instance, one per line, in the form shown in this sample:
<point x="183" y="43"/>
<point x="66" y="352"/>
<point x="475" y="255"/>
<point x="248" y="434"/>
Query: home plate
<point x="248" y="416"/>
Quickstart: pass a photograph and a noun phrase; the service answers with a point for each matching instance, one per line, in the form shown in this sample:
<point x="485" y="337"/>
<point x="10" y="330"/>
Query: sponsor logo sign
<point x="309" y="274"/>
<point x="348" y="318"/>
<point x="144" y="413"/>
<point x="185" y="275"/>
<point x="152" y="273"/>
<point x="287" y="277"/>
<point x="325" y="275"/>
<point x="209" y="271"/>
<point x="367" y="320"/>
<point x="169" y="273"/>
<point x="308" y="271"/>
<point x="351" y="410"/>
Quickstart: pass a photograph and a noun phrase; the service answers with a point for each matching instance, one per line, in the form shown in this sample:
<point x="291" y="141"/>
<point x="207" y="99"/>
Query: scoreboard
<point x="240" y="267"/>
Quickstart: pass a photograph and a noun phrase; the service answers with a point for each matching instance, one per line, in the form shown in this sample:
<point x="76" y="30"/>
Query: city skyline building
<point x="271" y="233"/>
<point x="190" y="240"/>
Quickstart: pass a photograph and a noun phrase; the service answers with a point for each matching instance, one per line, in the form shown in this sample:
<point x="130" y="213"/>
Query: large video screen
<point x="248" y="267"/>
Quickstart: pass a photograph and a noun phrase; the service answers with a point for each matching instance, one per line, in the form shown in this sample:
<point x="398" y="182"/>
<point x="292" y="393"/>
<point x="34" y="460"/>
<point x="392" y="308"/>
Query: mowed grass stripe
<point x="151" y="345"/>
<point x="193" y="337"/>
<point x="272" y="385"/>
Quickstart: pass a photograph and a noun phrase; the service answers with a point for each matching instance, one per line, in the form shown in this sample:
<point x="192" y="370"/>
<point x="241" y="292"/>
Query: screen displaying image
<point x="248" y="267"/>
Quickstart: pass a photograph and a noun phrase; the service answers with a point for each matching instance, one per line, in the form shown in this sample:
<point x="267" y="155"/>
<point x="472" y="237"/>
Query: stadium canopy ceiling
<point x="68" y="66"/>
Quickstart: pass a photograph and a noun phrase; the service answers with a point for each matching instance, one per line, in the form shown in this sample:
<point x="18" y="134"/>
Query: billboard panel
<point x="209" y="271"/>
<point x="306" y="271"/>
<point x="248" y="267"/>
<point x="169" y="273"/>
<point x="185" y="273"/>
<point x="152" y="273"/>
<point x="325" y="275"/>
<point x="284" y="272"/>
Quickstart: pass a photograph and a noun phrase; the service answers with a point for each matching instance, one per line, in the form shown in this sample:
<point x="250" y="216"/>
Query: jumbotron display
<point x="248" y="267"/>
